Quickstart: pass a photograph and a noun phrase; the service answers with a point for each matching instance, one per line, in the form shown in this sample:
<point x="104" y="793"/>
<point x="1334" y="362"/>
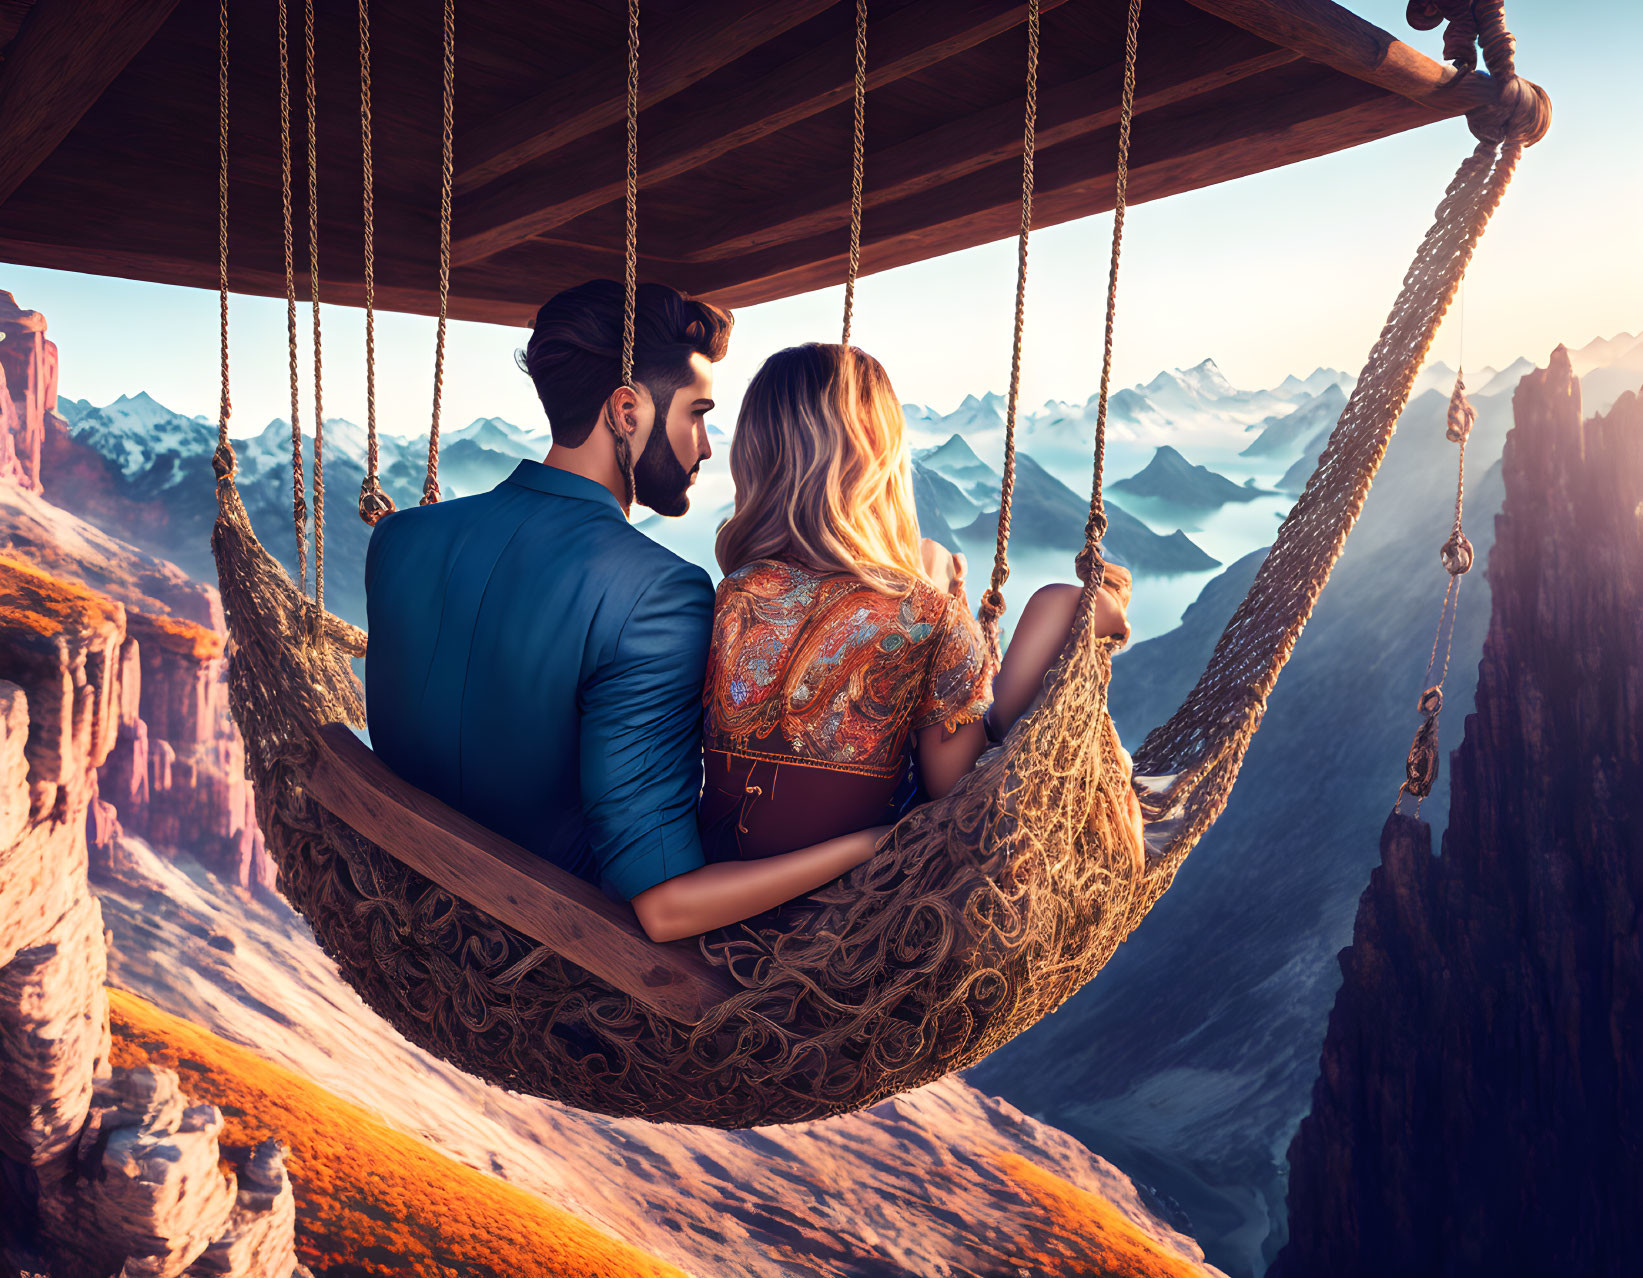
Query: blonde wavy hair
<point x="822" y="471"/>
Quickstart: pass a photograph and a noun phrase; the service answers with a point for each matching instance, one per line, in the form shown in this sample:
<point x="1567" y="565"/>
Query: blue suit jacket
<point x="537" y="663"/>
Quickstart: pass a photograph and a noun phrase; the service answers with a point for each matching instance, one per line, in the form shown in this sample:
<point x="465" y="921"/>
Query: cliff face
<point x="100" y="1169"/>
<point x="1478" y="1107"/>
<point x="175" y="772"/>
<point x="28" y="392"/>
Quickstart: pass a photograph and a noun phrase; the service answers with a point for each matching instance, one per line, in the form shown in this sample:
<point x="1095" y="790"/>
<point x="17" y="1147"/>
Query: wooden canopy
<point x="108" y="133"/>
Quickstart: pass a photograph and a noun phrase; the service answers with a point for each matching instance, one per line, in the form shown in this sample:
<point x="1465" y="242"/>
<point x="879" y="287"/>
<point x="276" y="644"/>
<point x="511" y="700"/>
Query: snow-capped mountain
<point x="136" y="430"/>
<point x="1284" y="433"/>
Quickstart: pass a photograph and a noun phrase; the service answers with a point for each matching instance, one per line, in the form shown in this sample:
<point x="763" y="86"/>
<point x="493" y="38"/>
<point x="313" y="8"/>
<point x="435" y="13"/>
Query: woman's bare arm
<point x="729" y="891"/>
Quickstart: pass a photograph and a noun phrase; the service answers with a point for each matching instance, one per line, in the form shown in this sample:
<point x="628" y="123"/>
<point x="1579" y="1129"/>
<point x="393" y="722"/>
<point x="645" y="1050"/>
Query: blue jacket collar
<point x="561" y="483"/>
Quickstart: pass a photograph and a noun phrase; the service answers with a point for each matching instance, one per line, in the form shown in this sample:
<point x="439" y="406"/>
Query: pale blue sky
<point x="1270" y="274"/>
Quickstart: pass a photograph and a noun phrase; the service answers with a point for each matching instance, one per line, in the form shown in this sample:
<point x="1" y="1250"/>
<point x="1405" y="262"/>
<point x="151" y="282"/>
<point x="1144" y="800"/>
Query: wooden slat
<point x="968" y="145"/>
<point x="585" y="178"/>
<point x="678" y="53"/>
<point x="1339" y="38"/>
<point x="986" y="207"/>
<point x="571" y="917"/>
<point x="66" y="54"/>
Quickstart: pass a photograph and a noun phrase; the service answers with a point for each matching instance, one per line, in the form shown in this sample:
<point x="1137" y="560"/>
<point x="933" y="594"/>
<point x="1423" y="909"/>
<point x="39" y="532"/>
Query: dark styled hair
<point x="575" y="352"/>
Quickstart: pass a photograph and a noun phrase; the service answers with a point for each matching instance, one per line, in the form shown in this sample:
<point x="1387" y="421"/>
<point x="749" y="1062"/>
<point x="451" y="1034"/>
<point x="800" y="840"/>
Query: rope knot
<point x="1461" y="414"/>
<point x="1523" y="113"/>
<point x="222" y="460"/>
<point x="992" y="605"/>
<point x="1090" y="565"/>
<point x="373" y="502"/>
<point x="1456" y="554"/>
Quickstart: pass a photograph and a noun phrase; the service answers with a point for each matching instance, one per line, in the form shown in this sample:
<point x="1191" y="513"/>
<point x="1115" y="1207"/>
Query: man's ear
<point x="623" y="407"/>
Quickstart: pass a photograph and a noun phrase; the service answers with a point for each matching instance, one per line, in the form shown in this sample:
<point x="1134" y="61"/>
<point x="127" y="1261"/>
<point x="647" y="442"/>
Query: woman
<point x="839" y="638"/>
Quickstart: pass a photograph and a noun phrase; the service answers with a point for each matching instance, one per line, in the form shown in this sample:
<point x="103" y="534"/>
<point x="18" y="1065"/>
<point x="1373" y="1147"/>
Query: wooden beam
<point x="66" y="54"/>
<point x="919" y="36"/>
<point x="676" y="54"/>
<point x="1339" y="38"/>
<point x="1214" y="147"/>
<point x="571" y="917"/>
<point x="964" y="146"/>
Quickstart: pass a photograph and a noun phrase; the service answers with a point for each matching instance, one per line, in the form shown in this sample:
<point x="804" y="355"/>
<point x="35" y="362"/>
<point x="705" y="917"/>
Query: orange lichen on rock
<point x="370" y="1197"/>
<point x="188" y="638"/>
<point x="36" y="601"/>
<point x="1100" y="1240"/>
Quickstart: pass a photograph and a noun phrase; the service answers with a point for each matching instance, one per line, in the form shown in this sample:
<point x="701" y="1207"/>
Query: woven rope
<point x="630" y="254"/>
<point x="430" y="482"/>
<point x="299" y="503"/>
<point x="858" y="154"/>
<point x="374" y="503"/>
<point x="311" y="96"/>
<point x="992" y="599"/>
<point x="985" y="911"/>
<point x="224" y="406"/>
<point x="1092" y="568"/>
<point x="1203" y="743"/>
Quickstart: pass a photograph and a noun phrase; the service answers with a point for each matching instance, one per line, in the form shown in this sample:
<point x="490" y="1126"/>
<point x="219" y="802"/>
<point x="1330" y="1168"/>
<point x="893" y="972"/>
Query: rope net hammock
<point x="983" y="912"/>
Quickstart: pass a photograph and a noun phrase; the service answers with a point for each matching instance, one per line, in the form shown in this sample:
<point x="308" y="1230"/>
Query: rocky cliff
<point x="101" y="1169"/>
<point x="175" y="773"/>
<point x="28" y="392"/>
<point x="1478" y="1105"/>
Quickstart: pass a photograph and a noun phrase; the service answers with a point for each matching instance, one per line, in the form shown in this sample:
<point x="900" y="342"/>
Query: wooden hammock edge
<point x="571" y="917"/>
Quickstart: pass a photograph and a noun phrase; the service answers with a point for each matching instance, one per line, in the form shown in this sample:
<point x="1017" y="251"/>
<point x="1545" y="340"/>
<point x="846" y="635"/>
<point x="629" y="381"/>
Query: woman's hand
<point x="942" y="568"/>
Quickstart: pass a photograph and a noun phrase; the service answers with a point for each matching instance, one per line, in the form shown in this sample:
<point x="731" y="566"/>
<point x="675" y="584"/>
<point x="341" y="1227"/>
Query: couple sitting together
<point x="544" y="667"/>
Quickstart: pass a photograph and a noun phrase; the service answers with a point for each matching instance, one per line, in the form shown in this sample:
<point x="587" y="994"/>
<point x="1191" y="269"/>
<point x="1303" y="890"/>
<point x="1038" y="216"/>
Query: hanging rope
<point x="630" y="295"/>
<point x="992" y="601"/>
<point x="857" y="157"/>
<point x="373" y="502"/>
<point x="1092" y="568"/>
<point x="223" y="458"/>
<point x="299" y="504"/>
<point x="313" y="296"/>
<point x="1456" y="554"/>
<point x="430" y="483"/>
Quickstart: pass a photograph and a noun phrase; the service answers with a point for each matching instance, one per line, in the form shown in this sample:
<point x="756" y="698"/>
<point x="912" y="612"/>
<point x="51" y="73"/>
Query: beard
<point x="659" y="481"/>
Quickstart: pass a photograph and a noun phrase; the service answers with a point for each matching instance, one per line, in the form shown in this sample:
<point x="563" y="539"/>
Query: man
<point x="537" y="663"/>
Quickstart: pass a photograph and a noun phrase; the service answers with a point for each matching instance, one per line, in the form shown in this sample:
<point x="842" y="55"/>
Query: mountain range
<point x="1189" y="1061"/>
<point x="1172" y="478"/>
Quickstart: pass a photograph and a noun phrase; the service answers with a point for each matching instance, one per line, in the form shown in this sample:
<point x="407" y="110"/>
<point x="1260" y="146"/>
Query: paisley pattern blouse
<point x="816" y="683"/>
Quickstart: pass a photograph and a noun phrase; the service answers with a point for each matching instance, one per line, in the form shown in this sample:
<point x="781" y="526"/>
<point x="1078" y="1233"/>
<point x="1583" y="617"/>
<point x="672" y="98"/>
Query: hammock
<point x="983" y="912"/>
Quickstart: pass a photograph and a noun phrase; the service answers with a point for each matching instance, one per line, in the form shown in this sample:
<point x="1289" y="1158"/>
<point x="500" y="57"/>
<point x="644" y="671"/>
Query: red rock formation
<point x="175" y="774"/>
<point x="28" y="391"/>
<point x="100" y="1169"/>
<point x="1480" y="1108"/>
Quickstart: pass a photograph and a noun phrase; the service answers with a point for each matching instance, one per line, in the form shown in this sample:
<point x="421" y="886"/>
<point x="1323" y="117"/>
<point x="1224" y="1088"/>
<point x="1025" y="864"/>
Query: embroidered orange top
<point x="815" y="684"/>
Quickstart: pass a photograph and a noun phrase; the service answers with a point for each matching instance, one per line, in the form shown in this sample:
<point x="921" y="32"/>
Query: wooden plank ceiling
<point x="108" y="155"/>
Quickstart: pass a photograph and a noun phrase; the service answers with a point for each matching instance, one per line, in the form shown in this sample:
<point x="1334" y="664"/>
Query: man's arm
<point x="641" y="752"/>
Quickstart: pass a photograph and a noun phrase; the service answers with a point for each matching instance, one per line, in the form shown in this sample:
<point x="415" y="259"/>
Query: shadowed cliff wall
<point x="1480" y="1103"/>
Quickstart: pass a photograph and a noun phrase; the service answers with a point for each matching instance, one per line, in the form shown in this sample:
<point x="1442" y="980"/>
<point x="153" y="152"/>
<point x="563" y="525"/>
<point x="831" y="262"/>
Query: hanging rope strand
<point x="992" y="602"/>
<point x="430" y="483"/>
<point x="1092" y="568"/>
<point x="313" y="296"/>
<point x="299" y="504"/>
<point x="373" y="502"/>
<point x="631" y="244"/>
<point x="224" y="407"/>
<point x="857" y="157"/>
<point x="630" y="292"/>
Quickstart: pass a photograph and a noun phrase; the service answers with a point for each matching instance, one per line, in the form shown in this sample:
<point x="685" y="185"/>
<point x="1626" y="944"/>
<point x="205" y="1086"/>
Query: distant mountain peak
<point x="1170" y="477"/>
